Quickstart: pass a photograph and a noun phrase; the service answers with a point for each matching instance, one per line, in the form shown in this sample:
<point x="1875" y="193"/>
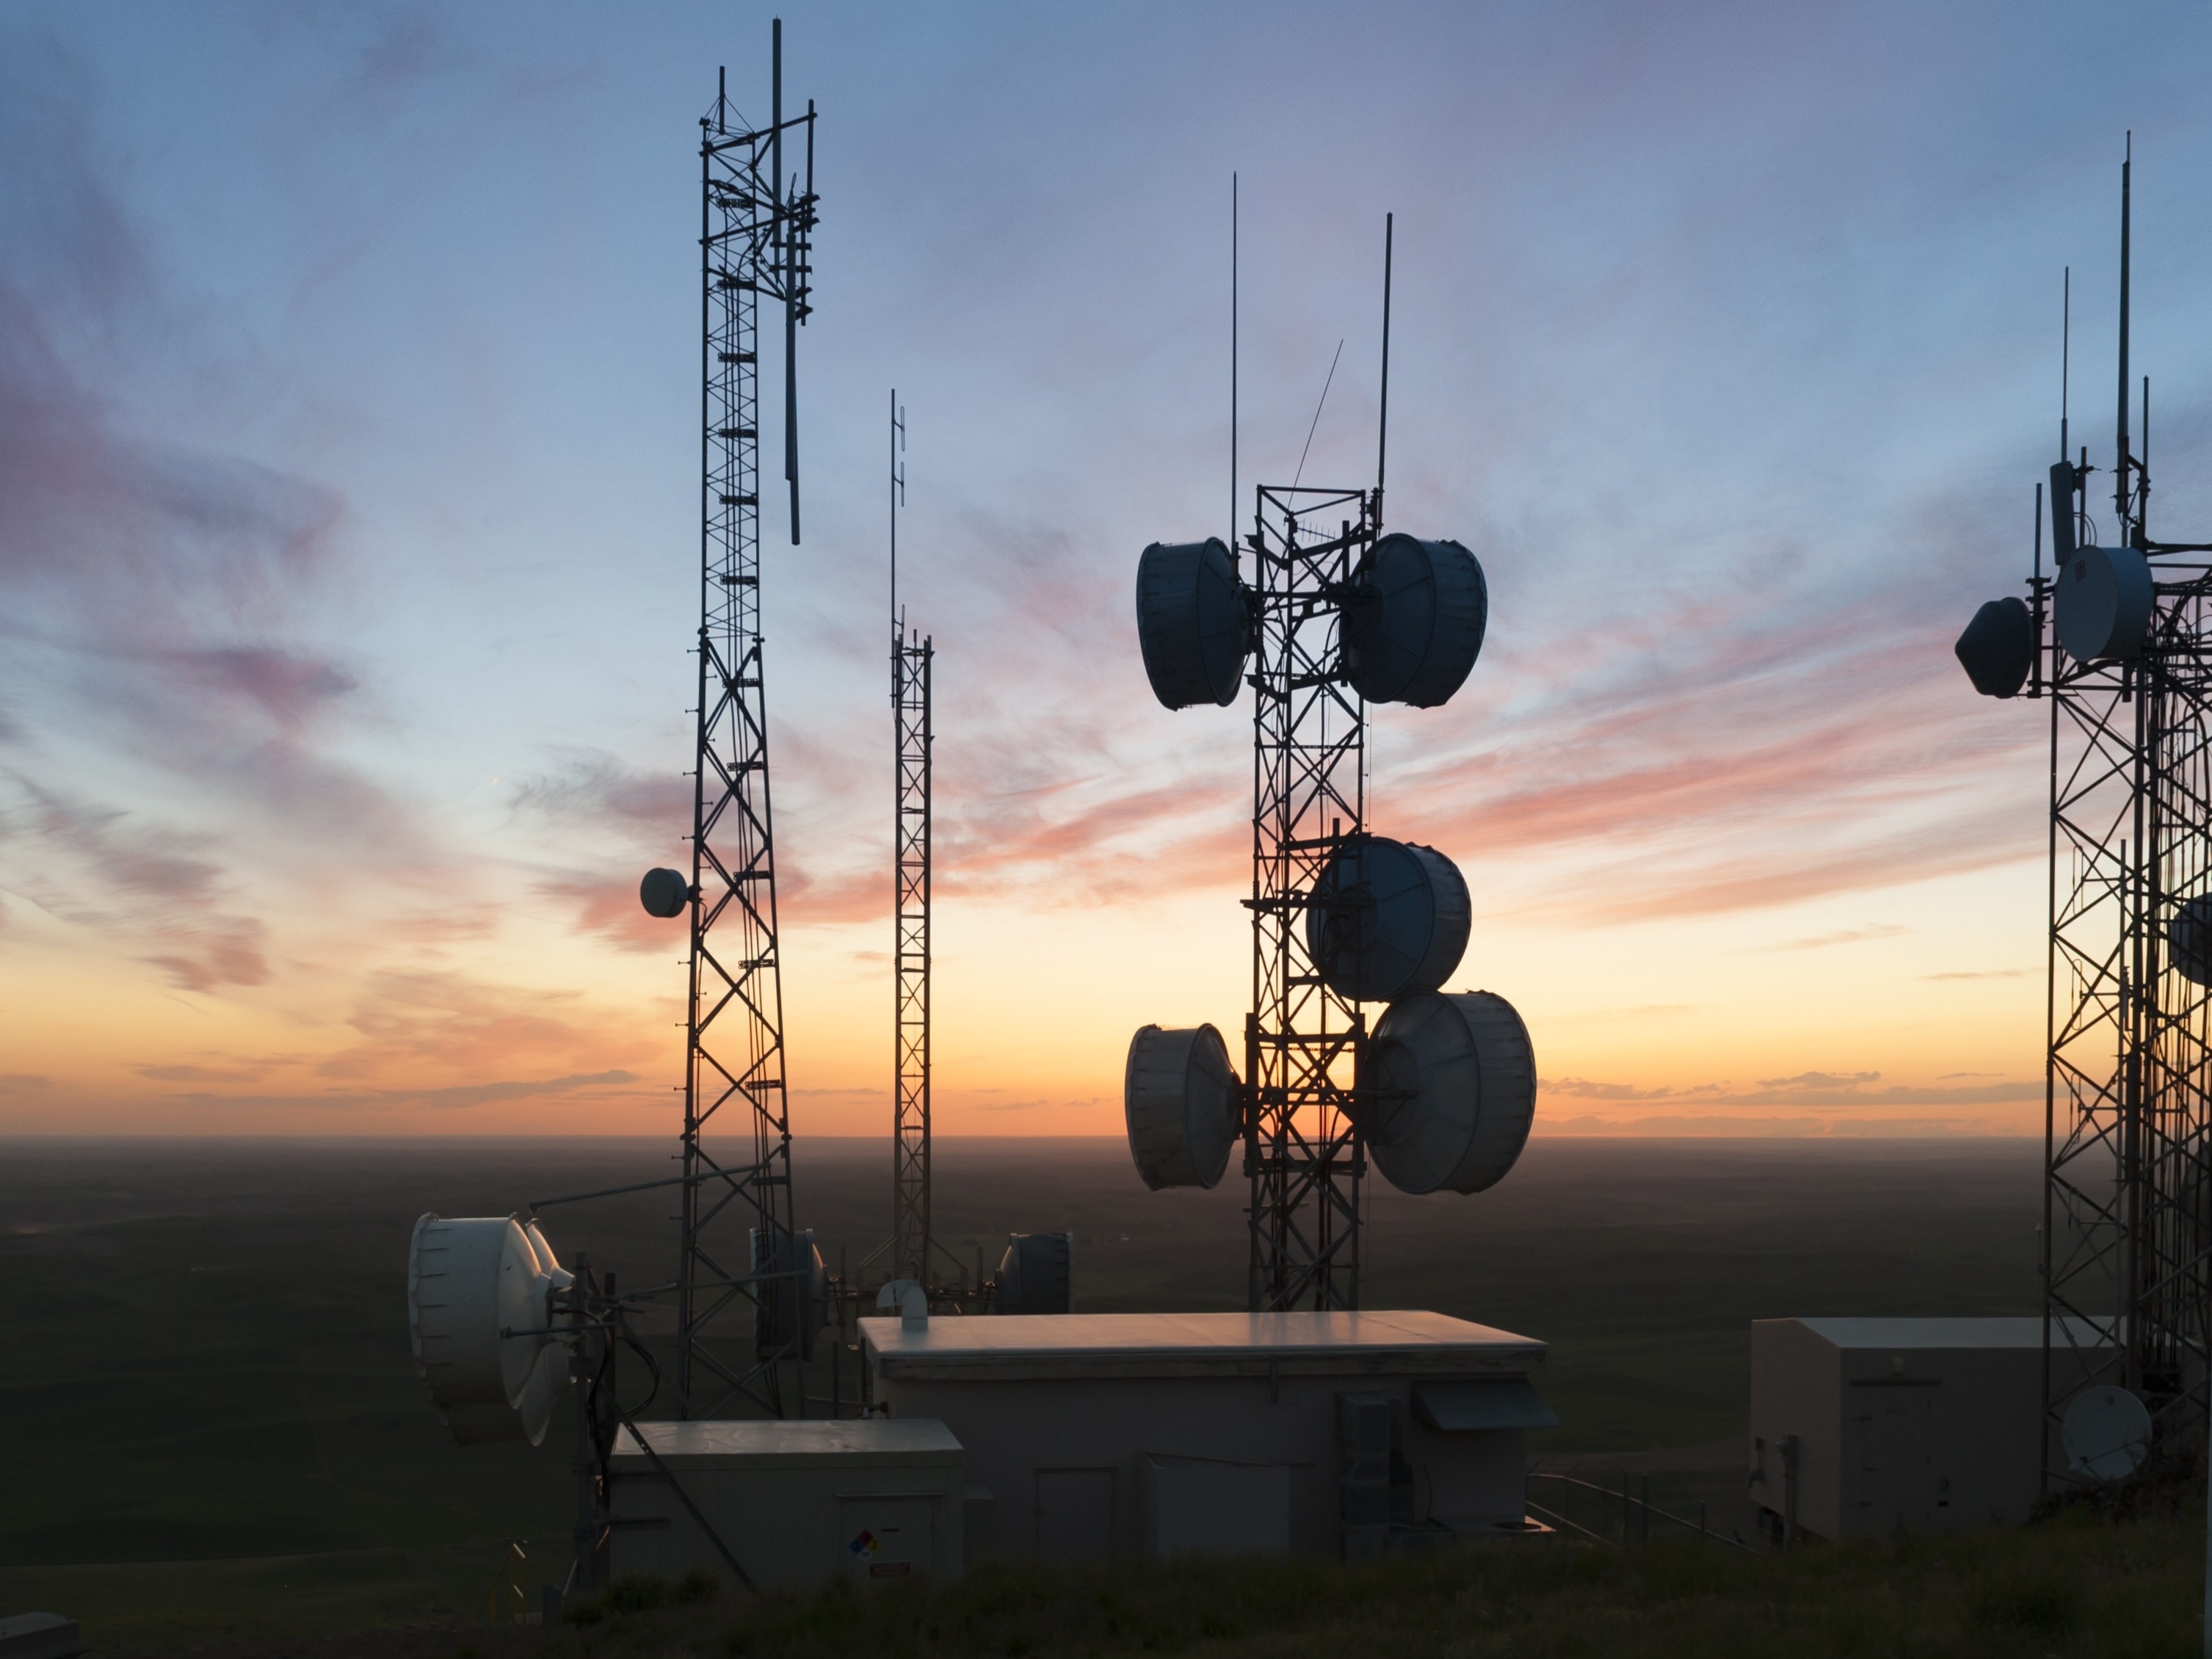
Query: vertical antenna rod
<point x="1383" y="422"/>
<point x="2065" y="355"/>
<point x="1232" y="365"/>
<point x="2120" y="445"/>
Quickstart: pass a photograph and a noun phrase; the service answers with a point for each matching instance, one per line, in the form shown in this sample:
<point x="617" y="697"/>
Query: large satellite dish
<point x="480" y="1314"/>
<point x="1179" y="1096"/>
<point x="1387" y="919"/>
<point x="1413" y="626"/>
<point x="2103" y="602"/>
<point x="1998" y="648"/>
<point x="1457" y="1075"/>
<point x="1193" y="622"/>
<point x="2106" y="1433"/>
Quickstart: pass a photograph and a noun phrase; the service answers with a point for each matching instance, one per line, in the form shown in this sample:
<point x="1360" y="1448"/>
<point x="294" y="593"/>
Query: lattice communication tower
<point x="748" y="1282"/>
<point x="2118" y="638"/>
<point x="911" y="655"/>
<point x="1438" y="1094"/>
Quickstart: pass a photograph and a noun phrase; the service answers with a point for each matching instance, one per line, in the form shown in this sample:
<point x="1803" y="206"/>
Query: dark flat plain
<point x="208" y="1355"/>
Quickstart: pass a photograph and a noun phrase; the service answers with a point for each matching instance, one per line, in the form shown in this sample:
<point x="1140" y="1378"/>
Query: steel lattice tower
<point x="738" y="1284"/>
<point x="1303" y="1041"/>
<point x="911" y="655"/>
<point x="2127" y="1238"/>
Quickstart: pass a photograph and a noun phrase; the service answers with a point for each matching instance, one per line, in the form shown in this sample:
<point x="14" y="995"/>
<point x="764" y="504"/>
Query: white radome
<point x="480" y="1314"/>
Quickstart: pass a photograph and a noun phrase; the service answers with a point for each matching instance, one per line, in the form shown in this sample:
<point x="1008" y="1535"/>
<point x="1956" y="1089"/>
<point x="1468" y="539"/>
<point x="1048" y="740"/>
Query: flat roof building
<point x="1862" y="1426"/>
<point x="1319" y="1433"/>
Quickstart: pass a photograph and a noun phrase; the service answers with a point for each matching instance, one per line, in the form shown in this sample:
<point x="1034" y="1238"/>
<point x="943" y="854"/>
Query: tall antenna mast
<point x="911" y="1238"/>
<point x="1232" y="364"/>
<point x="741" y="1333"/>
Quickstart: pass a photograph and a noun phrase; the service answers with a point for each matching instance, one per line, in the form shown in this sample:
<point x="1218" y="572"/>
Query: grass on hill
<point x="2076" y="1589"/>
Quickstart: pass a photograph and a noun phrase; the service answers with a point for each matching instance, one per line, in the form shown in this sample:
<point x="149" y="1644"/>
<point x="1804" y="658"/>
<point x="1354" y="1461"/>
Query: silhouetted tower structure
<point x="1439" y="1093"/>
<point x="1305" y="1041"/>
<point x="911" y="654"/>
<point x="2119" y="638"/>
<point x="741" y="1281"/>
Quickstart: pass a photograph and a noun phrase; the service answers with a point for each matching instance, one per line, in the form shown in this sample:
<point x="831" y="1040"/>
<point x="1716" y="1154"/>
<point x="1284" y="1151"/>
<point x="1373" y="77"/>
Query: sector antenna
<point x="1439" y="1093"/>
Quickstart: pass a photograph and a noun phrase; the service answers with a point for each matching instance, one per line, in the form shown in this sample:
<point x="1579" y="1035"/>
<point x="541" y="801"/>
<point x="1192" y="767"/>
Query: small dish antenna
<point x="480" y="1316"/>
<point x="1998" y="648"/>
<point x="664" y="893"/>
<point x="1387" y="919"/>
<point x="1193" y="622"/>
<point x="1037" y="1275"/>
<point x="2106" y="1433"/>
<point x="1415" y="624"/>
<point x="1454" y="1083"/>
<point x="2104" y="601"/>
<point x="2190" y="935"/>
<point x="1179" y="1095"/>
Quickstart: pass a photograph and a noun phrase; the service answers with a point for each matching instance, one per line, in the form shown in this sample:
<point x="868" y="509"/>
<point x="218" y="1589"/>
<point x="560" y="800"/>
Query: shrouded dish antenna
<point x="1414" y="625"/>
<point x="1387" y="919"/>
<point x="664" y="893"/>
<point x="1179" y="1095"/>
<point x="1037" y="1275"/>
<point x="1998" y="648"/>
<point x="1193" y="622"/>
<point x="791" y="1293"/>
<point x="2104" y="602"/>
<point x="1449" y="1092"/>
<point x="2106" y="1433"/>
<point x="479" y="1312"/>
<point x="2188" y="935"/>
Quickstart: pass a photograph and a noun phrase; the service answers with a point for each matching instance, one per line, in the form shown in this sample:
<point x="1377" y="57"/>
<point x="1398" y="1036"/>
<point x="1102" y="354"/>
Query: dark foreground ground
<point x="213" y="1434"/>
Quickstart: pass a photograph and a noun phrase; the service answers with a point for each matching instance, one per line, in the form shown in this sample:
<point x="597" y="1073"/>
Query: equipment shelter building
<point x="1860" y="1427"/>
<point x="1321" y="1433"/>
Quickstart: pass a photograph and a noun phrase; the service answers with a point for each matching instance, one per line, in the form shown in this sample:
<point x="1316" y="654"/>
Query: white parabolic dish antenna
<point x="2106" y="1433"/>
<point x="1458" y="1075"/>
<point x="479" y="1309"/>
<point x="1179" y="1096"/>
<point x="2104" y="602"/>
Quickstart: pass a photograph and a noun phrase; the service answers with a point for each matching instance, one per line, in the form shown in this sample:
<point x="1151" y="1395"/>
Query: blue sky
<point x="348" y="405"/>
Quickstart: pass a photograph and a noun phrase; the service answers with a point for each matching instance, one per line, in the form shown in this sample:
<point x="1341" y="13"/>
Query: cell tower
<point x="2118" y="638"/>
<point x="1440" y="1091"/>
<point x="910" y="662"/>
<point x="745" y="1276"/>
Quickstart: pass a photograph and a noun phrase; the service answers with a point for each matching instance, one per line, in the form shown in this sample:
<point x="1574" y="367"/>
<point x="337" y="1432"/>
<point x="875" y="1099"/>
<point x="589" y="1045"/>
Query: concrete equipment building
<point x="1321" y="1433"/>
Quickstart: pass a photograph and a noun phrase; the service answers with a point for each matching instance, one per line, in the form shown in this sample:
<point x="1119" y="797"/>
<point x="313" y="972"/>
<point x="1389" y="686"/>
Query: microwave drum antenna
<point x="1387" y="919"/>
<point x="2105" y="1433"/>
<point x="1414" y="625"/>
<point x="1193" y="622"/>
<point x="1180" y="1096"/>
<point x="1457" y="1080"/>
<point x="2188" y="935"/>
<point x="2104" y="603"/>
<point x="1037" y="1275"/>
<point x="479" y="1306"/>
<point x="1998" y="648"/>
<point x="664" y="893"/>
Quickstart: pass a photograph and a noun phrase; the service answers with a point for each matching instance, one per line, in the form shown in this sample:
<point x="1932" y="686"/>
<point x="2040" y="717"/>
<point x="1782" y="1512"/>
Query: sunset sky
<point x="348" y="531"/>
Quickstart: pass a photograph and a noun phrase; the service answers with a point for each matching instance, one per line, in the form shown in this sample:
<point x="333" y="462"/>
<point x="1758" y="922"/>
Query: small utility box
<point x="1862" y="1426"/>
<point x="797" y="1503"/>
<point x="1161" y="1434"/>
